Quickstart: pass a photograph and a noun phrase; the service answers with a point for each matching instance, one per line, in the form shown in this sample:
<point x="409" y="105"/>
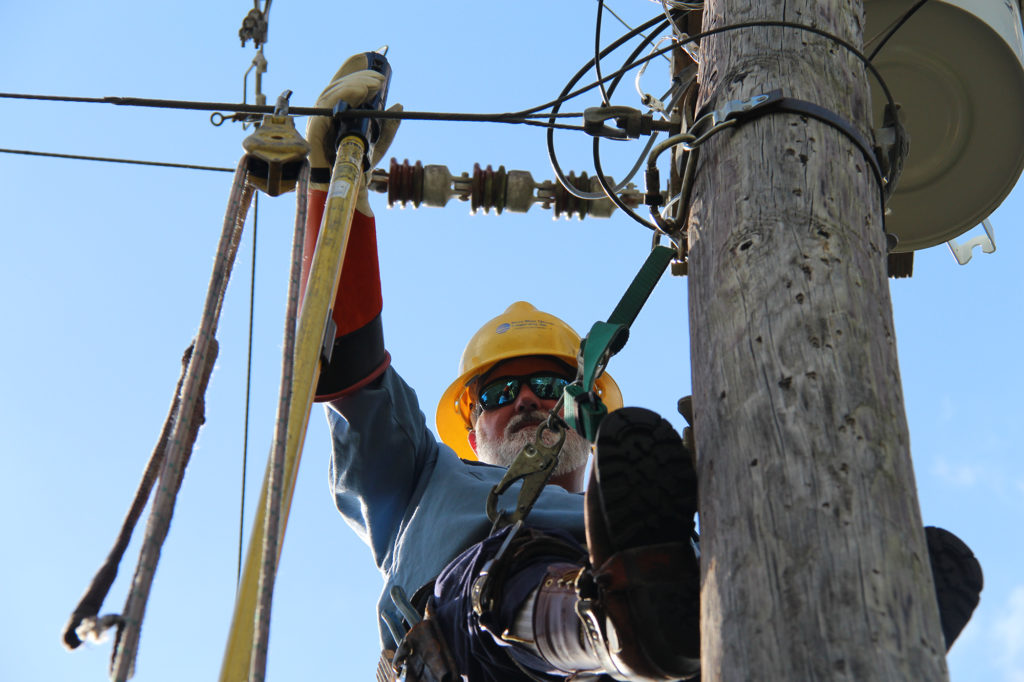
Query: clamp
<point x="276" y="151"/>
<point x="534" y="465"/>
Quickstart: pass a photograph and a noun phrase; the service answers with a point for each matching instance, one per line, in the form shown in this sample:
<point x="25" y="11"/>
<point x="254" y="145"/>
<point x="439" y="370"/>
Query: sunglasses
<point x="545" y="385"/>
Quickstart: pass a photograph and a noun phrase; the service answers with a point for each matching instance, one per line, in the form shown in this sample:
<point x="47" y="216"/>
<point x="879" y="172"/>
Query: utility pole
<point x="814" y="559"/>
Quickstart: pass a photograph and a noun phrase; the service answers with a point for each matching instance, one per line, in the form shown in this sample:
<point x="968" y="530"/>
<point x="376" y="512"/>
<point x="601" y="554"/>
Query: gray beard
<point x="503" y="451"/>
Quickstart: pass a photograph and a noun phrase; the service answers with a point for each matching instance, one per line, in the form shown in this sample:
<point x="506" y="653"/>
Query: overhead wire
<point x="671" y="96"/>
<point x="845" y="44"/>
<point x="615" y="14"/>
<point x="689" y="48"/>
<point x="633" y="62"/>
<point x="597" y="52"/>
<point x="647" y="99"/>
<point x="242" y="108"/>
<point x="602" y="179"/>
<point x="565" y="96"/>
<point x="520" y="117"/>
<point x="107" y="159"/>
<point x="523" y="116"/>
<point x="896" y="27"/>
<point x="659" y="25"/>
<point x="248" y="385"/>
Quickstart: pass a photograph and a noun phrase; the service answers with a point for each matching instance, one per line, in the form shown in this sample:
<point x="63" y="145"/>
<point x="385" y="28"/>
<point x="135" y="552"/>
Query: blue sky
<point x="104" y="269"/>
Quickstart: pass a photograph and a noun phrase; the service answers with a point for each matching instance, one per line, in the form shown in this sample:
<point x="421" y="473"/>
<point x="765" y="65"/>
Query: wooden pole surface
<point x="814" y="559"/>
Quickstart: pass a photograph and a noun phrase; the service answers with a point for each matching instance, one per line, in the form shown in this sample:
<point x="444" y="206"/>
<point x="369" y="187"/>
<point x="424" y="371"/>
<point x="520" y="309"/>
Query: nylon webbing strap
<point x="642" y="285"/>
<point x="583" y="408"/>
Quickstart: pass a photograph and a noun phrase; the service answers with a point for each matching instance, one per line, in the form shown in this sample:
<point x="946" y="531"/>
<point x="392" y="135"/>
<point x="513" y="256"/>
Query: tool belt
<point x="422" y="654"/>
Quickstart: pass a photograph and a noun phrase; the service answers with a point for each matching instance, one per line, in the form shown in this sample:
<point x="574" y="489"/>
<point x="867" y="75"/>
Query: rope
<point x="185" y="429"/>
<point x="272" y="537"/>
<point x="83" y="618"/>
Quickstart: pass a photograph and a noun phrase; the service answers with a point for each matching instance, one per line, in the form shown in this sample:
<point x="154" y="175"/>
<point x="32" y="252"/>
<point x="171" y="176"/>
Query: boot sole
<point x="648" y="496"/>
<point x="958" y="580"/>
<point x="639" y="450"/>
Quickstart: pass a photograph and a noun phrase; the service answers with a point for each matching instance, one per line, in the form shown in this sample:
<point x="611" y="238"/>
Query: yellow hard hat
<point x="520" y="331"/>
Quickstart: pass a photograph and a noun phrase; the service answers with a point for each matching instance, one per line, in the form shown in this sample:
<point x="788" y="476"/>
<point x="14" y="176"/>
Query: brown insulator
<point x="405" y="183"/>
<point x="489" y="188"/>
<point x="568" y="203"/>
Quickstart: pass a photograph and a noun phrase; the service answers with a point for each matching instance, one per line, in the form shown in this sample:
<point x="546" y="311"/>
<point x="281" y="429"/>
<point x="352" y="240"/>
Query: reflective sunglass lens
<point x="547" y="387"/>
<point x="504" y="391"/>
<point x="499" y="393"/>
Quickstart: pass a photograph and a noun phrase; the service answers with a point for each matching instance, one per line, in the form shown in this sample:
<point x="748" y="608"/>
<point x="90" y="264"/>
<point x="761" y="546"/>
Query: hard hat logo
<point x="520" y="324"/>
<point x="520" y="331"/>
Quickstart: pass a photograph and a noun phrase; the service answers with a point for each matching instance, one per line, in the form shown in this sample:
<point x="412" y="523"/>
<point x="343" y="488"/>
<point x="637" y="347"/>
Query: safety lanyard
<point x="584" y="409"/>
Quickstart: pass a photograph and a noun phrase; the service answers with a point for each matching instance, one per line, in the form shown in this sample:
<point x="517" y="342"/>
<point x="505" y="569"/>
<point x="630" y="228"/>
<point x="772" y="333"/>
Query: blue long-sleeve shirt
<point x="409" y="497"/>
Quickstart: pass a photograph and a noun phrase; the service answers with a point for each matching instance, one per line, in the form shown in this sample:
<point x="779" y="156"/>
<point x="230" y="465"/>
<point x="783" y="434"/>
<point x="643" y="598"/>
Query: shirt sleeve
<point x="382" y="454"/>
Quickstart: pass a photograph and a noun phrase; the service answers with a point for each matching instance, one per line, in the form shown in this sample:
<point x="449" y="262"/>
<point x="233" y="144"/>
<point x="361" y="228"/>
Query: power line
<point x="78" y="157"/>
<point x="896" y="27"/>
<point x="526" y="118"/>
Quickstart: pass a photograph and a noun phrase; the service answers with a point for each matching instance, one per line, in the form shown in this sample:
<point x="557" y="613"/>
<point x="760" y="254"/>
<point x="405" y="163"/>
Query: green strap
<point x="642" y="285"/>
<point x="583" y="409"/>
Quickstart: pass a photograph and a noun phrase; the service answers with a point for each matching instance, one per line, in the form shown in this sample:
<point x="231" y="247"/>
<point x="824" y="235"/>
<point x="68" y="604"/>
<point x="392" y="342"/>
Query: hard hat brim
<point x="453" y="411"/>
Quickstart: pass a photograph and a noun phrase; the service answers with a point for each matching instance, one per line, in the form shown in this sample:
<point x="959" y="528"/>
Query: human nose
<point x="527" y="400"/>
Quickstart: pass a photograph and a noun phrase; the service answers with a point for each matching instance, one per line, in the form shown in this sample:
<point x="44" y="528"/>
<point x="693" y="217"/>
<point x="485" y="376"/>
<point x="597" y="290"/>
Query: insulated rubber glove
<point x="353" y="84"/>
<point x="358" y="356"/>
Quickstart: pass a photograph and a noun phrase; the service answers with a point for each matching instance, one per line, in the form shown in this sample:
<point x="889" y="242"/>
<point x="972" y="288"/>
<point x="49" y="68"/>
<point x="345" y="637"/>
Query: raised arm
<point x="358" y="355"/>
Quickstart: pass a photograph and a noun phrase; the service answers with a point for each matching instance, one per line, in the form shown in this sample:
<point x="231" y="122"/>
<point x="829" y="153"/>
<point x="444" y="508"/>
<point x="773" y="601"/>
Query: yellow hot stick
<point x="321" y="289"/>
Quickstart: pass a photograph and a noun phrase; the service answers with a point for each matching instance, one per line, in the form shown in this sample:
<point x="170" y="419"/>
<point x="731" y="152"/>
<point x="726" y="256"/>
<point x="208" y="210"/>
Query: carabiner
<point x="534" y="465"/>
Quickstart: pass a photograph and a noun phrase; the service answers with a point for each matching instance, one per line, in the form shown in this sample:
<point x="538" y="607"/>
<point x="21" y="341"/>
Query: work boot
<point x="958" y="580"/>
<point x="642" y="593"/>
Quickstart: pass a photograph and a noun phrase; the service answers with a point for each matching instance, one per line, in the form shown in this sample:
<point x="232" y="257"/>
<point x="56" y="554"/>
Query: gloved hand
<point x="353" y="84"/>
<point x="359" y="356"/>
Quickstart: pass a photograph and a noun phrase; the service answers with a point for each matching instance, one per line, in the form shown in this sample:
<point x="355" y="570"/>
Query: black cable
<point x="562" y="98"/>
<point x="621" y="20"/>
<point x="899" y="24"/>
<point x="660" y="24"/>
<point x="778" y="24"/>
<point x="248" y="386"/>
<point x="241" y="108"/>
<point x="597" y="53"/>
<point x="77" y="157"/>
<point x="849" y="47"/>
<point x="511" y="117"/>
<point x="602" y="180"/>
<point x="693" y="38"/>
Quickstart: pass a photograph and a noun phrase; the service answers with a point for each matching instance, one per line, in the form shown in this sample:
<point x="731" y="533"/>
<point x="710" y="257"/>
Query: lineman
<point x="420" y="504"/>
<point x="608" y="582"/>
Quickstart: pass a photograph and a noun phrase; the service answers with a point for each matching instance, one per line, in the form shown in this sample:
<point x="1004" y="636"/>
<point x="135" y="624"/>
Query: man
<point x="511" y="603"/>
<point x="421" y="508"/>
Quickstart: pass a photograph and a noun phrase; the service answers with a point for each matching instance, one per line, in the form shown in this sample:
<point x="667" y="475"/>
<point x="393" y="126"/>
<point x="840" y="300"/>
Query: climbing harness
<point x="521" y="546"/>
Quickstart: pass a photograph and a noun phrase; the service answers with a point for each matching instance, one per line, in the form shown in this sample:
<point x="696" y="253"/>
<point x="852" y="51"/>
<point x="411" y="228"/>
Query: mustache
<point x="518" y="421"/>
